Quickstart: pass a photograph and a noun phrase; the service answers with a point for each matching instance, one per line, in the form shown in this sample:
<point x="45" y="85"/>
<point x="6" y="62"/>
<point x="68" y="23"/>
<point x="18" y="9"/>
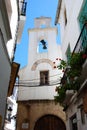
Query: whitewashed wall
<point x="26" y="74"/>
<point x="70" y="32"/>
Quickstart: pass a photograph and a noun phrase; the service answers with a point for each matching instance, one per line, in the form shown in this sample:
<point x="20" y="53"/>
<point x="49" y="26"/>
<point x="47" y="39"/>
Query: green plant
<point x="60" y="95"/>
<point x="72" y="71"/>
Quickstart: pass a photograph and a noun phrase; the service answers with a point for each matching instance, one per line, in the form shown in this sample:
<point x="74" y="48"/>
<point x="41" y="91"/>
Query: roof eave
<point x="58" y="12"/>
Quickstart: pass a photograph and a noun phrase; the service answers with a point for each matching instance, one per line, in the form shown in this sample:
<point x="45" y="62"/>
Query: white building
<point x="72" y="17"/>
<point x="9" y="20"/>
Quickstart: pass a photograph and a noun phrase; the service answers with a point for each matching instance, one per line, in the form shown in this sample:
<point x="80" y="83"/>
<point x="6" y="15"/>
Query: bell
<point x="44" y="44"/>
<point x="44" y="47"/>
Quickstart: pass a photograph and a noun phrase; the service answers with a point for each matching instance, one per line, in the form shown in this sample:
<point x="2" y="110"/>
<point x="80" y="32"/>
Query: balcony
<point x="22" y="18"/>
<point x="81" y="46"/>
<point x="23" y="8"/>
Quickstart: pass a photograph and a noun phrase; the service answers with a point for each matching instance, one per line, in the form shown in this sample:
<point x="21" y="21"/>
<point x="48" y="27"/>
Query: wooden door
<point x="49" y="122"/>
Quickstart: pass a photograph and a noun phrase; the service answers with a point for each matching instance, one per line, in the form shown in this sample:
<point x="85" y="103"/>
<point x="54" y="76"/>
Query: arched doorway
<point x="49" y="122"/>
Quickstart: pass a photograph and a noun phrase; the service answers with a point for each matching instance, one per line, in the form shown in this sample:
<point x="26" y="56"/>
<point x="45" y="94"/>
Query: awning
<point x="14" y="74"/>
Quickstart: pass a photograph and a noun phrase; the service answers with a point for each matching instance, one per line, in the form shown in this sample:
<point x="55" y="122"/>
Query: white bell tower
<point x="40" y="78"/>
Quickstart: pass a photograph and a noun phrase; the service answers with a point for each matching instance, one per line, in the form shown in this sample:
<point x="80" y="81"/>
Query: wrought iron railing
<point x="23" y="9"/>
<point x="81" y="44"/>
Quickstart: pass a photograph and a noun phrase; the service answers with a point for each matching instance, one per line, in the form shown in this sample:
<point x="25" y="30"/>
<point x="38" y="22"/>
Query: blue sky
<point x="35" y="8"/>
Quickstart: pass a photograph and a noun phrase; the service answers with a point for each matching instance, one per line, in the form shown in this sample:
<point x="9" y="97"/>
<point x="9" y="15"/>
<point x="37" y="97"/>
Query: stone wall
<point x="30" y="111"/>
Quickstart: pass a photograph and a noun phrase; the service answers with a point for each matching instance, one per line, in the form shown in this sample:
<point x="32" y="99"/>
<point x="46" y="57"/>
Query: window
<point x="82" y="18"/>
<point x="74" y="122"/>
<point x="68" y="53"/>
<point x="82" y="115"/>
<point x="44" y="77"/>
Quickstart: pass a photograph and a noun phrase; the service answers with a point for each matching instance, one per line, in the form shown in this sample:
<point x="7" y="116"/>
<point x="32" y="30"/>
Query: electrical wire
<point x="36" y="82"/>
<point x="38" y="78"/>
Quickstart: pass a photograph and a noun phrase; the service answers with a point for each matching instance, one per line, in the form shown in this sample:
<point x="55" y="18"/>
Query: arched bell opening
<point x="42" y="46"/>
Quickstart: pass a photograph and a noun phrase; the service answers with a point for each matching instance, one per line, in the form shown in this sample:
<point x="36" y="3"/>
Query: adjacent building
<point x="38" y="80"/>
<point x="9" y="21"/>
<point x="72" y="17"/>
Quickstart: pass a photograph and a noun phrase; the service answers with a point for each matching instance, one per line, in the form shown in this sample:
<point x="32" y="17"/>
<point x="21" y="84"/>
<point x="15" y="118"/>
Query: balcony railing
<point x="81" y="44"/>
<point x="23" y="9"/>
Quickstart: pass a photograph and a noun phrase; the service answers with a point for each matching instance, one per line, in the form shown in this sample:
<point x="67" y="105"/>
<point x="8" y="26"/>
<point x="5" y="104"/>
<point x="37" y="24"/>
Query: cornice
<point x="58" y="12"/>
<point x="41" y="29"/>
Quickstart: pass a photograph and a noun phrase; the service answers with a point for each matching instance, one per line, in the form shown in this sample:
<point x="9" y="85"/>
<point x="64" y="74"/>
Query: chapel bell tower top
<point x="42" y="22"/>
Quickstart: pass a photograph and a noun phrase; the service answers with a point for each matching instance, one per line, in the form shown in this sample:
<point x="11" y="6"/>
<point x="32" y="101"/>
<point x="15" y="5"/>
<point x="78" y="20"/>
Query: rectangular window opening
<point x="44" y="80"/>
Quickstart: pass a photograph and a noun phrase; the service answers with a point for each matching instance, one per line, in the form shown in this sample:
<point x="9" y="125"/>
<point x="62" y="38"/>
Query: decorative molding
<point x="42" y="61"/>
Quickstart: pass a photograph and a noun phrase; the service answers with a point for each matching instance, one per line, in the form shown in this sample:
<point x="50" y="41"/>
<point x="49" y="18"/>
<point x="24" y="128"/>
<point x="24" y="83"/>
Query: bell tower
<point x="43" y="51"/>
<point x="39" y="78"/>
